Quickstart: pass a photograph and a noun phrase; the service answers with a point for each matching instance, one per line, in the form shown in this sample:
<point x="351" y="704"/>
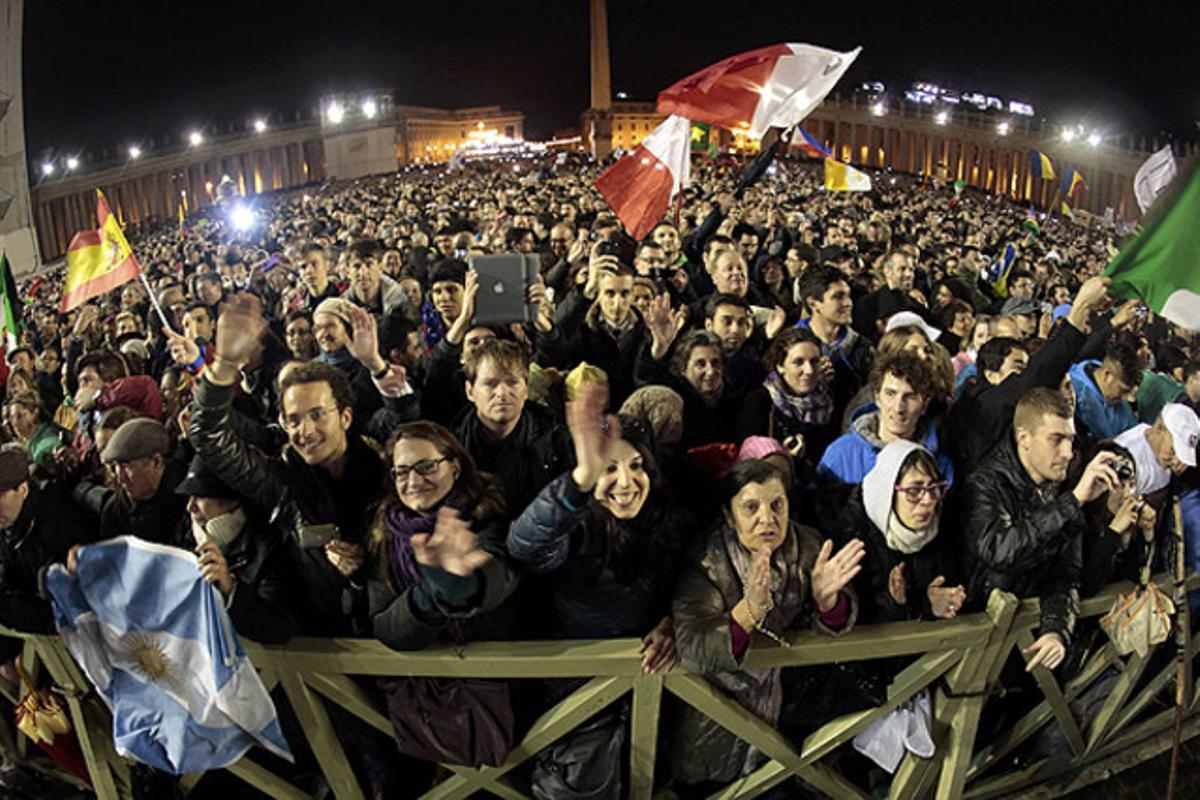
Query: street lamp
<point x="195" y="138"/>
<point x="1095" y="139"/>
<point x="369" y="109"/>
<point x="72" y="163"/>
<point x="47" y="169"/>
<point x="878" y="109"/>
<point x="941" y="118"/>
<point x="1068" y="134"/>
<point x="1002" y="129"/>
<point x="260" y="125"/>
<point x="135" y="152"/>
<point x="335" y="113"/>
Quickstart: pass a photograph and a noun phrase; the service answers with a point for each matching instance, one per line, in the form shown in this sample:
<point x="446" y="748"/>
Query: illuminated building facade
<point x="987" y="151"/>
<point x="150" y="189"/>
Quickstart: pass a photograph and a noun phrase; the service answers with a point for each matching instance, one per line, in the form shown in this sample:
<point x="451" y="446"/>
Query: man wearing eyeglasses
<point x="322" y="487"/>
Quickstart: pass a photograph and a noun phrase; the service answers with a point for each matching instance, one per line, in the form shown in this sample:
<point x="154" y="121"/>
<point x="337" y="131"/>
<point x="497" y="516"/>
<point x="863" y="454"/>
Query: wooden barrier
<point x="959" y="661"/>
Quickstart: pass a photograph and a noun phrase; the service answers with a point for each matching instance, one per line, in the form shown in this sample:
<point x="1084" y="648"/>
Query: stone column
<point x="601" y="110"/>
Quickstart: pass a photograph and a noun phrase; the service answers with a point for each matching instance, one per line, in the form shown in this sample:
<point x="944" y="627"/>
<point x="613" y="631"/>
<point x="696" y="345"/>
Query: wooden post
<point x="643" y="736"/>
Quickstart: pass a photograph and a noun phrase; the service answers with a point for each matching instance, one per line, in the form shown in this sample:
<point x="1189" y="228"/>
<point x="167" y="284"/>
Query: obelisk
<point x="601" y="110"/>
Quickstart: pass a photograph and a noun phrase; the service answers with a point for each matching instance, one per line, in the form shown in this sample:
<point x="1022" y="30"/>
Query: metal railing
<point x="959" y="660"/>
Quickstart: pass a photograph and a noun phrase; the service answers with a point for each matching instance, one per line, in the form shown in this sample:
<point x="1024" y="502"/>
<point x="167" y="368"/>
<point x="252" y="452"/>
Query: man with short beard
<point x="518" y="442"/>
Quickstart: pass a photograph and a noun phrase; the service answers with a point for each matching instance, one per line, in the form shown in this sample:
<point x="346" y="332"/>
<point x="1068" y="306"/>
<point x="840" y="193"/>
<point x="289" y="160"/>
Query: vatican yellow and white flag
<point x="841" y="177"/>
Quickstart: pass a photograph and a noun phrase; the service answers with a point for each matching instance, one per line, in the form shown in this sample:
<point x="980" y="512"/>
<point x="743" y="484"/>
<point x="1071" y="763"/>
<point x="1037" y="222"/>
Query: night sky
<point x="106" y="74"/>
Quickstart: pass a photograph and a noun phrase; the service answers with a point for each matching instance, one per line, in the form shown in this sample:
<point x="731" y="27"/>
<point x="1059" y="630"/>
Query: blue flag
<point x="155" y="640"/>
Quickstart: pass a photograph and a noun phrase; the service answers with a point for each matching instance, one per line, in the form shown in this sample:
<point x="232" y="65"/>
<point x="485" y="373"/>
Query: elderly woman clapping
<point x="755" y="570"/>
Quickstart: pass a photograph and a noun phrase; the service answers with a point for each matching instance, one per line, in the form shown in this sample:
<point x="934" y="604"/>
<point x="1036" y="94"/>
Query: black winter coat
<point x="538" y="449"/>
<point x="1021" y="538"/>
<point x="296" y="496"/>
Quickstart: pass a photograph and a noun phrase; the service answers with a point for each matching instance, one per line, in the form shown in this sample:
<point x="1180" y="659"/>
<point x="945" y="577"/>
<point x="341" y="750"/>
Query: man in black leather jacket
<point x="1022" y="531"/>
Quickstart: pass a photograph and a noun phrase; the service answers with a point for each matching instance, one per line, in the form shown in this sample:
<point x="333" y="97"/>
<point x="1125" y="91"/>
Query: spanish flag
<point x="98" y="260"/>
<point x="1040" y="165"/>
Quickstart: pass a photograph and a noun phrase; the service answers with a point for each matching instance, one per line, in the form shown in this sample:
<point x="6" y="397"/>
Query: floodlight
<point x="135" y="152"/>
<point x="369" y="109"/>
<point x="242" y="218"/>
<point x="334" y="113"/>
<point x="1095" y="139"/>
<point x="195" y="138"/>
<point x="72" y="163"/>
<point x="48" y="169"/>
<point x="941" y="118"/>
<point x="1002" y="129"/>
<point x="260" y="125"/>
<point x="1068" y="134"/>
<point x="879" y="109"/>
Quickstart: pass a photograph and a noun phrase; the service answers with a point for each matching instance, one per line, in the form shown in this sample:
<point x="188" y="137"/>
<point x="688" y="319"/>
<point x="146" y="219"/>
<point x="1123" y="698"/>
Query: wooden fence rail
<point x="960" y="661"/>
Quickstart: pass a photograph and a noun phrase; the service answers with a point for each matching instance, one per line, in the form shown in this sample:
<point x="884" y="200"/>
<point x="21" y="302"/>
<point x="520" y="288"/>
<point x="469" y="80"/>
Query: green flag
<point x="1162" y="265"/>
<point x="703" y="140"/>
<point x="10" y="316"/>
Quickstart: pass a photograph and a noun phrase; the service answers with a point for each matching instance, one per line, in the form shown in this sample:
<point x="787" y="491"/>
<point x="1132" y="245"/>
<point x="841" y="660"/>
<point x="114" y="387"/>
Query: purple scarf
<point x="400" y="525"/>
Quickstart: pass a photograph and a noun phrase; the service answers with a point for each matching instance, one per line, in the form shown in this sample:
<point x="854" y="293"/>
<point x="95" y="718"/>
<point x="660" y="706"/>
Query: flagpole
<point x="154" y="302"/>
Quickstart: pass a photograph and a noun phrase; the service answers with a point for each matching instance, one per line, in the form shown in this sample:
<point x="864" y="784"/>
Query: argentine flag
<point x="155" y="640"/>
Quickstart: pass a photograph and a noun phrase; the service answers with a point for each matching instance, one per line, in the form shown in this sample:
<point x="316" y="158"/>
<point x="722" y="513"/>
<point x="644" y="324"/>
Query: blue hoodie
<point x="1102" y="419"/>
<point x="852" y="455"/>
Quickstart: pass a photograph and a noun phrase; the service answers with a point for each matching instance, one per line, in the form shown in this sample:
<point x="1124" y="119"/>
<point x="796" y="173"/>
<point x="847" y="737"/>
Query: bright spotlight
<point x="195" y="138"/>
<point x="941" y="118"/>
<point x="879" y="109"/>
<point x="260" y="125"/>
<point x="135" y="152"/>
<point x="72" y="163"/>
<point x="334" y="113"/>
<point x="1095" y="139"/>
<point x="1068" y="134"/>
<point x="369" y="109"/>
<point x="1002" y="129"/>
<point x="242" y="218"/>
<point x="47" y="169"/>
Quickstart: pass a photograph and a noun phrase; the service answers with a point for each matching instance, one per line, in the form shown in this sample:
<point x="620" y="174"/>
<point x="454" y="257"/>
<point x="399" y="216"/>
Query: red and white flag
<point x="772" y="87"/>
<point x="641" y="186"/>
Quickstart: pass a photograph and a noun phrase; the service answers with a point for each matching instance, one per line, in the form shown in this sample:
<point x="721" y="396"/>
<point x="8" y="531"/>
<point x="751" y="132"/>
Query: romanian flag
<point x="1072" y="180"/>
<point x="98" y="260"/>
<point x="1040" y="165"/>
<point x="810" y="145"/>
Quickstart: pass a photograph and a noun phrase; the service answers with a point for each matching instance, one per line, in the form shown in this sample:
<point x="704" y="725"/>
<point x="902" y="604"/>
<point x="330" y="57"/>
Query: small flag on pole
<point x="808" y="144"/>
<point x="1159" y="266"/>
<point x="12" y="318"/>
<point x="1072" y="181"/>
<point x="641" y="185"/>
<point x="841" y="177"/>
<point x="1040" y="165"/>
<point x="97" y="261"/>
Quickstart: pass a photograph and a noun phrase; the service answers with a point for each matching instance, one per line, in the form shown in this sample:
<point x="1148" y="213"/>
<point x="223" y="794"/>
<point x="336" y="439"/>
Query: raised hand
<point x="775" y="321"/>
<point x="183" y="349"/>
<point x="1097" y="478"/>
<point x="452" y="547"/>
<point x="364" y="339"/>
<point x="1048" y="651"/>
<point x="946" y="601"/>
<point x="461" y="325"/>
<point x="661" y="322"/>
<point x="593" y="433"/>
<point x="239" y="329"/>
<point x="832" y="573"/>
<point x="826" y="370"/>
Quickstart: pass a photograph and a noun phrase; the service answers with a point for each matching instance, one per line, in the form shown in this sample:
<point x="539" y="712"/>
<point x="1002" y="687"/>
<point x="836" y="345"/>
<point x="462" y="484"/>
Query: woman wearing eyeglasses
<point x="754" y="571"/>
<point x="896" y="512"/>
<point x="438" y="561"/>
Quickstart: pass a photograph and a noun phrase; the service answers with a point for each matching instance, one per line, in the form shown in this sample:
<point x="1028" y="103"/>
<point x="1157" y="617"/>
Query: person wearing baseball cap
<point x="37" y="528"/>
<point x="239" y="555"/>
<point x="1166" y="448"/>
<point x="145" y="505"/>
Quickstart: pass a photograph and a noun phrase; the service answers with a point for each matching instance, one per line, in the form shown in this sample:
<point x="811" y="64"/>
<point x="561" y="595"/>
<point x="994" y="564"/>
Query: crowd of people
<point x="786" y="408"/>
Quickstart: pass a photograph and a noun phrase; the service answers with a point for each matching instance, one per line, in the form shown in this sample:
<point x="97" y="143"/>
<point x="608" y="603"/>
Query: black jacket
<point x="156" y="519"/>
<point x="982" y="417"/>
<point x="1021" y="538"/>
<point x="47" y="527"/>
<point x="535" y="452"/>
<point x="297" y="496"/>
<point x="702" y="423"/>
<point x="580" y="335"/>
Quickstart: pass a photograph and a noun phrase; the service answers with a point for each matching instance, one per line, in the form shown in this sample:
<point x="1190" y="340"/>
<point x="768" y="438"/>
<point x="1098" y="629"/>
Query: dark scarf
<point x="814" y="408"/>
<point x="340" y="359"/>
<point x="400" y="526"/>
